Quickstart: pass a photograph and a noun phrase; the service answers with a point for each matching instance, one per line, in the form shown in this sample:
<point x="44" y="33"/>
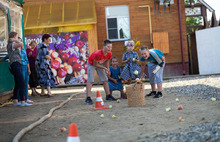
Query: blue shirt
<point x="115" y="73"/>
<point x="24" y="58"/>
<point x="151" y="59"/>
<point x="5" y="57"/>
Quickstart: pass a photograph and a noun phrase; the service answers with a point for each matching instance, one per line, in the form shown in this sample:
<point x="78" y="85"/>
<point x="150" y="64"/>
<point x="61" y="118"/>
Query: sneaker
<point x="158" y="95"/>
<point x="29" y="101"/>
<point x="152" y="93"/>
<point x="17" y="104"/>
<point x="26" y="104"/>
<point x="110" y="98"/>
<point x="89" y="100"/>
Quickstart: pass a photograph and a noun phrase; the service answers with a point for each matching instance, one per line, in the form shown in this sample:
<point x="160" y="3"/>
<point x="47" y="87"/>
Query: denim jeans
<point x="16" y="69"/>
<point x="26" y="80"/>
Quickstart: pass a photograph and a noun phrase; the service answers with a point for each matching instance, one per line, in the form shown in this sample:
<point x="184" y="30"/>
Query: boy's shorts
<point x="155" y="78"/>
<point x="101" y="73"/>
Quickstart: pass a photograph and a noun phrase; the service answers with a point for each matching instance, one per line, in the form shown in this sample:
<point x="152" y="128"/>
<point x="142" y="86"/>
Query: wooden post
<point x="93" y="44"/>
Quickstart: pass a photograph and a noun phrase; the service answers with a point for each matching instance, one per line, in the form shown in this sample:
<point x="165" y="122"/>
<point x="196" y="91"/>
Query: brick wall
<point x="139" y="25"/>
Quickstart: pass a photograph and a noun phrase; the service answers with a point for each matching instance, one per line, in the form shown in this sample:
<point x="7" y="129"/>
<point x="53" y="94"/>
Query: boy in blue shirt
<point x="156" y="63"/>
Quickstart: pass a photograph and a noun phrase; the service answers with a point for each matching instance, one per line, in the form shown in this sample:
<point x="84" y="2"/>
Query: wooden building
<point x="155" y="23"/>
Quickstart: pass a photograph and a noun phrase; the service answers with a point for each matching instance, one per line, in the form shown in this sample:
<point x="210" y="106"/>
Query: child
<point x="113" y="79"/>
<point x="99" y="61"/>
<point x="131" y="67"/>
<point x="26" y="72"/>
<point x="155" y="59"/>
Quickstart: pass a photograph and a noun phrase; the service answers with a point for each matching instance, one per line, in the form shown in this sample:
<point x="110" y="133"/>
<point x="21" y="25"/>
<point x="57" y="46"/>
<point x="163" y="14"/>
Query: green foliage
<point x="187" y="2"/>
<point x="193" y="21"/>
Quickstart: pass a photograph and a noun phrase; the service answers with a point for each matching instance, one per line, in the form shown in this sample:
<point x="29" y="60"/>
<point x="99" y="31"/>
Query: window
<point x="16" y="22"/>
<point x="118" y="24"/>
<point x="15" y="15"/>
<point x="3" y="31"/>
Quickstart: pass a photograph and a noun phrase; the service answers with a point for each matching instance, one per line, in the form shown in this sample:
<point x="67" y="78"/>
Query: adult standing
<point x="14" y="53"/>
<point x="32" y="54"/>
<point x="43" y="68"/>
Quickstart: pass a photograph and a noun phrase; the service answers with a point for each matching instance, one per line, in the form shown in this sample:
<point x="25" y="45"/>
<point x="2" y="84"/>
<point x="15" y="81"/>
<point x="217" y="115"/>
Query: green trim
<point x="9" y="22"/>
<point x="20" y="1"/>
<point x="22" y="25"/>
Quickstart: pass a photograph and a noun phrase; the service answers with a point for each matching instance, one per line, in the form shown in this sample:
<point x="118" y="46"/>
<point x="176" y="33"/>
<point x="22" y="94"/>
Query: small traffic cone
<point x="73" y="134"/>
<point x="99" y="102"/>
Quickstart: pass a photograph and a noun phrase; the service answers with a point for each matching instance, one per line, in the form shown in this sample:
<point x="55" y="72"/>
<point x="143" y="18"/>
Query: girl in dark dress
<point x="131" y="70"/>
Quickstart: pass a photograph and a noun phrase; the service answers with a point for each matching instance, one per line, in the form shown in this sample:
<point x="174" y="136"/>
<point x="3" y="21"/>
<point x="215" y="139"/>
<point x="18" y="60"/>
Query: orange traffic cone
<point x="73" y="134"/>
<point x="99" y="102"/>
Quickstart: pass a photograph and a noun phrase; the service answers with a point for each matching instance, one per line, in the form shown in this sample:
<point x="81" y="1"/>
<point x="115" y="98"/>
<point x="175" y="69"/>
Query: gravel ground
<point x="133" y="124"/>
<point x="201" y="87"/>
<point x="204" y="132"/>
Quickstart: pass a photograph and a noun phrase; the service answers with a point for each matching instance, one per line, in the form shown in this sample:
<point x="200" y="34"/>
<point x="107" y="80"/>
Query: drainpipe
<point x="151" y="40"/>
<point x="181" y="38"/>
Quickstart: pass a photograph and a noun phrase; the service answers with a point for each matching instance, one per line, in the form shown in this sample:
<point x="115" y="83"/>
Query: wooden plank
<point x="161" y="41"/>
<point x="93" y="45"/>
<point x="4" y="97"/>
<point x="92" y="39"/>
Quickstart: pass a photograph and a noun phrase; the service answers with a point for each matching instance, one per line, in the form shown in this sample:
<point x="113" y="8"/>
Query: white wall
<point x="208" y="50"/>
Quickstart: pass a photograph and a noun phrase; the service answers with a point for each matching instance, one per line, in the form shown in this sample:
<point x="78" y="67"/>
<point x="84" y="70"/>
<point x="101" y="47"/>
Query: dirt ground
<point x="130" y="124"/>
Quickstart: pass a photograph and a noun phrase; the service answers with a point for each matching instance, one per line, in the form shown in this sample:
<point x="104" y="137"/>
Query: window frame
<point x="16" y="22"/>
<point x="117" y="18"/>
<point x="3" y="43"/>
